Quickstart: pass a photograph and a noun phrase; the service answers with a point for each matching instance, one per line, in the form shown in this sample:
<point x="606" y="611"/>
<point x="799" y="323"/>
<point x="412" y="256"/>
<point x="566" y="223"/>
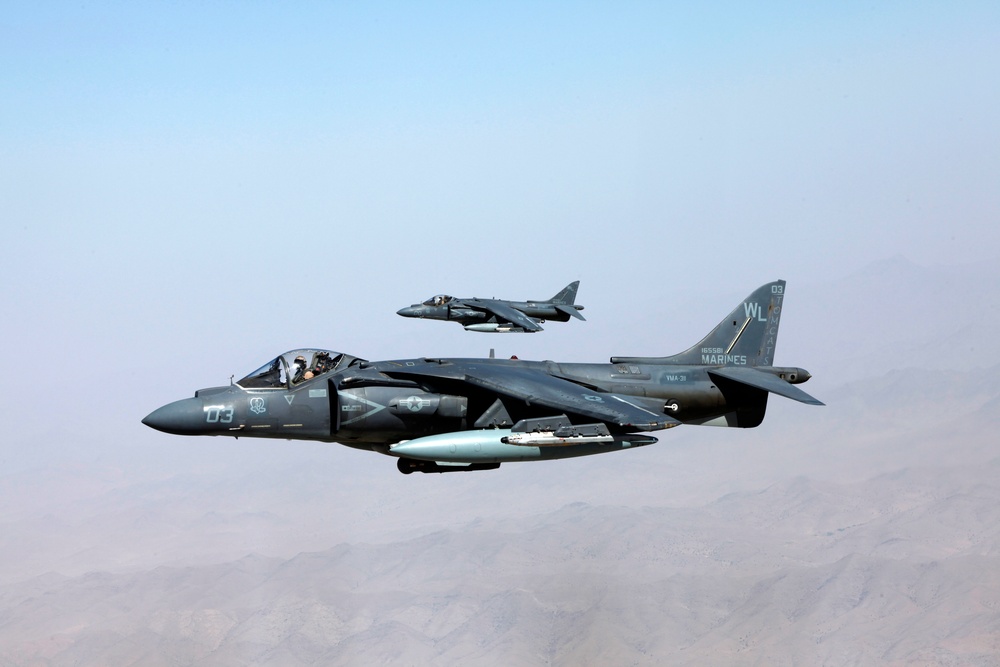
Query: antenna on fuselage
<point x="493" y="354"/>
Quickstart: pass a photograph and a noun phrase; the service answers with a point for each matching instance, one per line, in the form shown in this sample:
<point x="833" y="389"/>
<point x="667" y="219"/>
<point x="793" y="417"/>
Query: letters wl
<point x="754" y="310"/>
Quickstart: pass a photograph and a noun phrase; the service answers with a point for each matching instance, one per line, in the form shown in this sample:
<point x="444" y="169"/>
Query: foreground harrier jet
<point x="445" y="415"/>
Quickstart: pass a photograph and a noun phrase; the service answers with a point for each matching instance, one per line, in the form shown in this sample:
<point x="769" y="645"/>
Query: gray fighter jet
<point x="499" y="315"/>
<point x="445" y="415"/>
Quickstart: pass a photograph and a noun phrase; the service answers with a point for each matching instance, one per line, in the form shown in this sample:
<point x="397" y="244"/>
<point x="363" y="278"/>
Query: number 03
<point x="218" y="414"/>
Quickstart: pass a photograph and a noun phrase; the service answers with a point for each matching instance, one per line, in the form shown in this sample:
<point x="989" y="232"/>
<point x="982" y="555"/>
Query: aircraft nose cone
<point x="183" y="417"/>
<point x="409" y="311"/>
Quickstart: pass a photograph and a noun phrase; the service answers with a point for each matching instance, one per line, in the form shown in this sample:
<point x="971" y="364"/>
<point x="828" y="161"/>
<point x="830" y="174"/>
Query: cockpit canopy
<point x="293" y="368"/>
<point x="439" y="300"/>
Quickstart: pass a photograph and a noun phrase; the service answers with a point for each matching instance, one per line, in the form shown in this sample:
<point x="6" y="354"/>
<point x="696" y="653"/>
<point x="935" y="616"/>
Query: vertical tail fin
<point x="567" y="295"/>
<point x="746" y="337"/>
<point x="738" y="357"/>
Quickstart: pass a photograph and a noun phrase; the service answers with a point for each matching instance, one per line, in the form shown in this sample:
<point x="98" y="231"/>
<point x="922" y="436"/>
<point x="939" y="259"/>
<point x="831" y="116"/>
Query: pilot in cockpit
<point x="300" y="371"/>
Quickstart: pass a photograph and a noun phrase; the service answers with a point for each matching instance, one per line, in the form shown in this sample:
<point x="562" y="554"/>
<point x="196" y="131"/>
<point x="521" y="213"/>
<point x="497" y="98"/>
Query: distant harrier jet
<point x="499" y="315"/>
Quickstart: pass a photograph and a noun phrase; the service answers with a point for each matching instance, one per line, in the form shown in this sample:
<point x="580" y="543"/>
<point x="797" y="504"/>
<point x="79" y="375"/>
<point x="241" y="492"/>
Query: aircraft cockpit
<point x="294" y="368"/>
<point x="439" y="300"/>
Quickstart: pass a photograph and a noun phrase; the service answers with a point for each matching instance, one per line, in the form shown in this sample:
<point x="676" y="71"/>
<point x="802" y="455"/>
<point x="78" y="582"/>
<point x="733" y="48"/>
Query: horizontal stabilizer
<point x="569" y="310"/>
<point x="762" y="380"/>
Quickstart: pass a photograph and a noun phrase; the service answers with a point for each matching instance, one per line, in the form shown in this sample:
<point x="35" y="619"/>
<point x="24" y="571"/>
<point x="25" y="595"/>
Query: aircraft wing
<point x="505" y="312"/>
<point x="766" y="381"/>
<point x="562" y="396"/>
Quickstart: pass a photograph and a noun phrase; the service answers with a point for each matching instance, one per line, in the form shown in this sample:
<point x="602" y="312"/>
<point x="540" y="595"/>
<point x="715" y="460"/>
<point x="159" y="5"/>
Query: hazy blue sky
<point x="188" y="189"/>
